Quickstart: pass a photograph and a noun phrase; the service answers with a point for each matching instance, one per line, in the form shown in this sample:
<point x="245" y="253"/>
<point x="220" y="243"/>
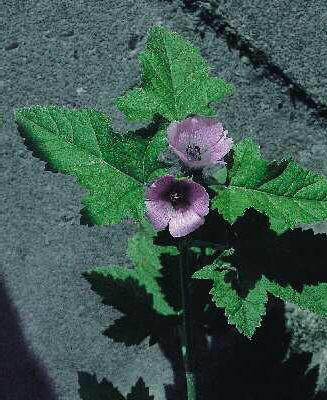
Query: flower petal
<point x="172" y="133"/>
<point x="183" y="217"/>
<point x="199" y="199"/>
<point x="159" y="213"/>
<point x="184" y="222"/>
<point x="192" y="124"/>
<point x="208" y="136"/>
<point x="206" y="133"/>
<point x="221" y="149"/>
<point x="188" y="125"/>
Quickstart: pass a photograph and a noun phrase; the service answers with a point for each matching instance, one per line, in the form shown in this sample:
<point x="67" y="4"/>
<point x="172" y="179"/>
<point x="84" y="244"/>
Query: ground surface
<point x="83" y="52"/>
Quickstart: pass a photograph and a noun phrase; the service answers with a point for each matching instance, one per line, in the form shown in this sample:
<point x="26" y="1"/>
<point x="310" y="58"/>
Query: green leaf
<point x="146" y="258"/>
<point x="312" y="297"/>
<point x="243" y="311"/>
<point x="288" y="194"/>
<point x="245" y="306"/>
<point x="135" y="284"/>
<point x="175" y="81"/>
<point x="82" y="143"/>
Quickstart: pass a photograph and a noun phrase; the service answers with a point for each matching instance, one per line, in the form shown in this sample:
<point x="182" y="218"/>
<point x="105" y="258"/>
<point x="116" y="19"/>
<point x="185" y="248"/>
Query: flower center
<point x="178" y="195"/>
<point x="193" y="152"/>
<point x="175" y="197"/>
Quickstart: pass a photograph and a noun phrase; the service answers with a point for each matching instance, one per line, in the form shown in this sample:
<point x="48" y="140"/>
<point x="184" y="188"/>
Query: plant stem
<point x="186" y="333"/>
<point x="202" y="243"/>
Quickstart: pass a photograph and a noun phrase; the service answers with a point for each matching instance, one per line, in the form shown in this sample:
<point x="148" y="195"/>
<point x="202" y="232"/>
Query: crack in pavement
<point x="220" y="25"/>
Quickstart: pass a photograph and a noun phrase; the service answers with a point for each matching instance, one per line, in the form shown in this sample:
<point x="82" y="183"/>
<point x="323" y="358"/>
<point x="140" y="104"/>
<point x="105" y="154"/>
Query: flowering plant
<point x="187" y="175"/>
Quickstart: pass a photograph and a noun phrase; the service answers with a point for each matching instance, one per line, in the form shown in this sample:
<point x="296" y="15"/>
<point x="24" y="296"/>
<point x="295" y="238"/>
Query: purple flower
<point x="181" y="203"/>
<point x="199" y="141"/>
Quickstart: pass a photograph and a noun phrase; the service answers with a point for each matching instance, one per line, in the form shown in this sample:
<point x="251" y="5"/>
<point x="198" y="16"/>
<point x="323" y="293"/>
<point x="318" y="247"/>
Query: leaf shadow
<point x="90" y="389"/>
<point x="235" y="367"/>
<point x="232" y="366"/>
<point x="296" y="257"/>
<point x="140" y="319"/>
<point x="220" y="368"/>
<point x="151" y="129"/>
<point x="216" y="230"/>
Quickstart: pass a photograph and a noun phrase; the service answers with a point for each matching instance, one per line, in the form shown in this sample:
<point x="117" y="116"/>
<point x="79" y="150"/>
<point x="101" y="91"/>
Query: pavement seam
<point x="257" y="57"/>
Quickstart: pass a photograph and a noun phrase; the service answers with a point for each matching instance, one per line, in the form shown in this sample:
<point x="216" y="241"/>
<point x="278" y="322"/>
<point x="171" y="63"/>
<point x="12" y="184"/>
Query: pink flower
<point x="199" y="141"/>
<point x="181" y="203"/>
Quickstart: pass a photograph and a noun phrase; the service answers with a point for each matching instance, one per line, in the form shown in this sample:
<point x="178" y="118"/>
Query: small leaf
<point x="243" y="311"/>
<point x="82" y="143"/>
<point x="175" y="79"/>
<point x="288" y="194"/>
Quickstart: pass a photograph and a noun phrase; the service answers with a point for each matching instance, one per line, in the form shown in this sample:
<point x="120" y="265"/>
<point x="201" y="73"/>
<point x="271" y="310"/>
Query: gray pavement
<point x="83" y="52"/>
<point x="290" y="34"/>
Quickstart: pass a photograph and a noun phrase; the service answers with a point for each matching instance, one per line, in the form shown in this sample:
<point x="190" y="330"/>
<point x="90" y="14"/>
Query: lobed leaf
<point x="245" y="312"/>
<point x="287" y="193"/>
<point x="175" y="81"/>
<point x="245" y="307"/>
<point x="82" y="143"/>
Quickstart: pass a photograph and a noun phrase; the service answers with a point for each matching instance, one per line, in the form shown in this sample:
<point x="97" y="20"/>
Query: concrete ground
<point x="85" y="52"/>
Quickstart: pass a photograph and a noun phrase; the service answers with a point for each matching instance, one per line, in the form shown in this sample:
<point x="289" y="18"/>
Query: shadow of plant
<point x="232" y="366"/>
<point x="295" y="257"/>
<point x="140" y="319"/>
<point x="90" y="389"/>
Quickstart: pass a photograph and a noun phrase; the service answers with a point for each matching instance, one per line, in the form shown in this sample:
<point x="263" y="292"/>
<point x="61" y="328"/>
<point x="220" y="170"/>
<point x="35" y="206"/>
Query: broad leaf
<point x="243" y="311"/>
<point x="82" y="143"/>
<point x="288" y="194"/>
<point x="175" y="81"/>
<point x="312" y="298"/>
